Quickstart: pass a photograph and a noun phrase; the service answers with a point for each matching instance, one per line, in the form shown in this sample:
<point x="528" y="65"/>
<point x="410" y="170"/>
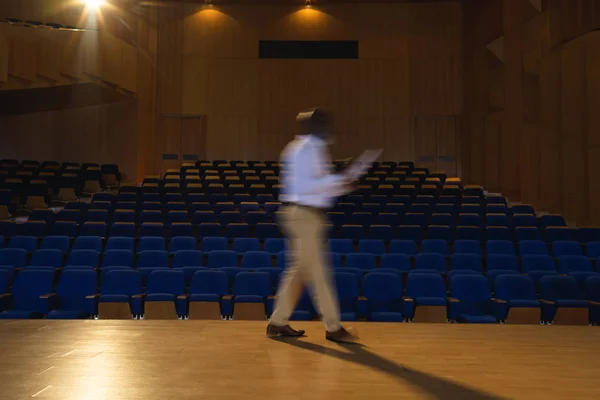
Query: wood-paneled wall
<point x="409" y="66"/>
<point x="531" y="122"/>
<point x="103" y="134"/>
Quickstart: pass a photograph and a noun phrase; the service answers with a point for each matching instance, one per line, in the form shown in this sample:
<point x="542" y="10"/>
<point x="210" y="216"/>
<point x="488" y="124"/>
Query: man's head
<point x="316" y="121"/>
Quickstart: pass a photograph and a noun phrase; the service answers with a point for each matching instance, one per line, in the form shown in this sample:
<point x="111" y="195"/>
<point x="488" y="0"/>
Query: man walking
<point x="310" y="190"/>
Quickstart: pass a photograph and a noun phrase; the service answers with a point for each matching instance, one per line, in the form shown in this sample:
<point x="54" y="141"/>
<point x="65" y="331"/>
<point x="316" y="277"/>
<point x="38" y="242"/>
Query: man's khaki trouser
<point x="308" y="268"/>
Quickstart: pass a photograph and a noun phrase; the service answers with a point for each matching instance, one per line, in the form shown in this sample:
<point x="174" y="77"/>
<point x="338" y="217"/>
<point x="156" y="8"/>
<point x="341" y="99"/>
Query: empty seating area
<point x="33" y="185"/>
<point x="203" y="242"/>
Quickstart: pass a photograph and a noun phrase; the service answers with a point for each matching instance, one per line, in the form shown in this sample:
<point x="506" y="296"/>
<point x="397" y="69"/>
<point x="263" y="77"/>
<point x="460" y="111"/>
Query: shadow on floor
<point x="437" y="387"/>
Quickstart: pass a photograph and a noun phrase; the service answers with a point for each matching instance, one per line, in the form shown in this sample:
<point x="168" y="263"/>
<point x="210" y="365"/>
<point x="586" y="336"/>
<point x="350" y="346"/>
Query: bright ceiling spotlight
<point x="308" y="4"/>
<point x="95" y="3"/>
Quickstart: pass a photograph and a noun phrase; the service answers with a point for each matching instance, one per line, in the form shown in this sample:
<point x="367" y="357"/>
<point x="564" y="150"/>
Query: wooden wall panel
<point x="208" y="66"/>
<point x="492" y="147"/>
<point x="574" y="130"/>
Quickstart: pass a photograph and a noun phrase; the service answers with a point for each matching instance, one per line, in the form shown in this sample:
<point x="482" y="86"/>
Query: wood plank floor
<point x="149" y="360"/>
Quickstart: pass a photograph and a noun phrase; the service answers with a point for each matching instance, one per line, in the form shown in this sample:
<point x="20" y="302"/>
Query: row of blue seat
<point x="384" y="298"/>
<point x="264" y="230"/>
<point x="276" y="245"/>
<point x="535" y="265"/>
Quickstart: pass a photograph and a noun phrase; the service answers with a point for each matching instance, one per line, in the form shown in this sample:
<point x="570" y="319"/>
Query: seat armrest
<point x="272" y="297"/>
<point x="48" y="302"/>
<point x="408" y="299"/>
<point x="6" y="300"/>
<point x="594" y="303"/>
<point x="47" y="295"/>
<point x="499" y="301"/>
<point x="227" y="297"/>
<point x="93" y="296"/>
<point x="547" y="302"/>
<point x="453" y="300"/>
<point x="139" y="296"/>
<point x="183" y="297"/>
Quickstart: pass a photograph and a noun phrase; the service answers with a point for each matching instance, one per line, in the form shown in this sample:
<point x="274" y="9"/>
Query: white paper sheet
<point x="362" y="164"/>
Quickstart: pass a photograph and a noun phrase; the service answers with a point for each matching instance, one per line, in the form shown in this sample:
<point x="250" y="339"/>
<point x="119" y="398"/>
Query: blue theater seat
<point x="61" y="243"/>
<point x="341" y="246"/>
<point x="362" y="261"/>
<point x="222" y="259"/>
<point x="533" y="247"/>
<point x="209" y="297"/>
<point x="48" y="258"/>
<point x="430" y="262"/>
<point x="83" y="258"/>
<point x="163" y="286"/>
<point x="411" y="232"/>
<point x="500" y="247"/>
<point x="27" y="243"/>
<point x="467" y="247"/>
<point x="213" y="243"/>
<point x="513" y="294"/>
<point x="88" y="243"/>
<point x="243" y="245"/>
<point x="119" y="287"/>
<point x="469" y="233"/>
<point x="538" y="266"/>
<point x="93" y="229"/>
<point x="151" y="243"/>
<point x="256" y="259"/>
<point x="251" y="296"/>
<point x="182" y="243"/>
<point x="74" y="297"/>
<point x="437" y="246"/>
<point x="382" y="232"/>
<point x="398" y="262"/>
<point x="566" y="248"/>
<point x="117" y="258"/>
<point x="24" y="300"/>
<point x="407" y="247"/>
<point x="384" y="297"/>
<point x="562" y="301"/>
<point x="425" y="290"/>
<point x="371" y="246"/>
<point x="347" y="292"/>
<point x="275" y="245"/>
<point x="474" y="297"/>
<point x="579" y="267"/>
<point x="461" y="264"/>
<point x="497" y="233"/>
<point x="440" y="232"/>
<point x="501" y="264"/>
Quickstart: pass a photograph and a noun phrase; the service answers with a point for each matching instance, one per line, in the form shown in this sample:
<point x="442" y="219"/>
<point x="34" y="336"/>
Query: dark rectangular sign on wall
<point x="318" y="49"/>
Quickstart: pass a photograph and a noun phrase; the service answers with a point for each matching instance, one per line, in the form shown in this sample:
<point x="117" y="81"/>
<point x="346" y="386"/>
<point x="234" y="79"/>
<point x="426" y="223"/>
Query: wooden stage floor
<point x="164" y="360"/>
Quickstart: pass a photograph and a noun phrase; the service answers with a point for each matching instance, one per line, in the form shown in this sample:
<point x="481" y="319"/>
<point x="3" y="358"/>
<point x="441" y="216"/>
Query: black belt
<point x="311" y="208"/>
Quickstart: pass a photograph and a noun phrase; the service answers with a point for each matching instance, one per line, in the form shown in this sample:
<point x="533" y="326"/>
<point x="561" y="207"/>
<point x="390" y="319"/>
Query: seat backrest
<point x="209" y="282"/>
<point x="559" y="287"/>
<point x="243" y="245"/>
<point x="61" y="243"/>
<point x="537" y="263"/>
<point x="372" y="246"/>
<point x="222" y="258"/>
<point x="88" y="243"/>
<point x="252" y="283"/>
<point x="74" y="286"/>
<point x="425" y="285"/>
<point x="407" y="247"/>
<point x="117" y="258"/>
<point x="383" y="291"/>
<point x="213" y="243"/>
<point x="515" y="287"/>
<point x="187" y="258"/>
<point x="275" y="245"/>
<point x="347" y="290"/>
<point x="47" y="258"/>
<point x="473" y="292"/>
<point x="83" y="258"/>
<point x="533" y="247"/>
<point x="361" y="261"/>
<point x="466" y="262"/>
<point x="120" y="243"/>
<point x="153" y="259"/>
<point x="592" y="288"/>
<point x="431" y="261"/>
<point x="503" y="262"/>
<point x="168" y="281"/>
<point x="27" y="243"/>
<point x="123" y="281"/>
<point x="182" y="243"/>
<point x="562" y="248"/>
<point x="500" y="247"/>
<point x="342" y="246"/>
<point x="16" y="258"/>
<point x="5" y="280"/>
<point x="467" y="247"/>
<point x="151" y="243"/>
<point x="256" y="259"/>
<point x="29" y="286"/>
<point x="400" y="262"/>
<point x="435" y="246"/>
<point x="592" y="249"/>
<point x="568" y="264"/>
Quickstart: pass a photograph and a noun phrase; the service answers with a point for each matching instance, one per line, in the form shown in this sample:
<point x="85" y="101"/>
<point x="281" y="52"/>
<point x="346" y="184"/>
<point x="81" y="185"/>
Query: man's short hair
<point x="316" y="118"/>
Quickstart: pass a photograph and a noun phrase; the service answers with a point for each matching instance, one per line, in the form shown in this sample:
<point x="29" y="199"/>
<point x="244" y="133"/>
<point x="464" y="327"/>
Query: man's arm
<point x="318" y="180"/>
